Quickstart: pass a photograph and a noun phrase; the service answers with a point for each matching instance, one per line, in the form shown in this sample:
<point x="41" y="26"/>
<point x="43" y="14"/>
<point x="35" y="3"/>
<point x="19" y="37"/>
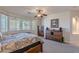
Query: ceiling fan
<point x="40" y="13"/>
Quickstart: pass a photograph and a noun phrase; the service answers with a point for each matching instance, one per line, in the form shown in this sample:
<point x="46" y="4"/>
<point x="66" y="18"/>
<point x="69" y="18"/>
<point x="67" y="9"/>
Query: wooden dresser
<point x="56" y="35"/>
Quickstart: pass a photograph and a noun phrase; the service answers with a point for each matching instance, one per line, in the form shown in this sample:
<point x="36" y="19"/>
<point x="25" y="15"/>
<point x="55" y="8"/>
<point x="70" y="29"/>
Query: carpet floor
<point x="50" y="46"/>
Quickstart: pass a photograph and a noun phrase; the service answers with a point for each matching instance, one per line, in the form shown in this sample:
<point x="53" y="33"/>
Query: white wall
<point x="64" y="22"/>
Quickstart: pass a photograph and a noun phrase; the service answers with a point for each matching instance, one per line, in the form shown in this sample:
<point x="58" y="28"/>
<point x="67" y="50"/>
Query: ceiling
<point x="24" y="10"/>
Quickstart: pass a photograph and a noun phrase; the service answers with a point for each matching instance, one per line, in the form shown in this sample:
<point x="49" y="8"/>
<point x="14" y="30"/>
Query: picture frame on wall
<point x="54" y="23"/>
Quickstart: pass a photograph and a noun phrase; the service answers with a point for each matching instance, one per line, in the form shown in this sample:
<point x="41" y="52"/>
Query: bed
<point x="21" y="42"/>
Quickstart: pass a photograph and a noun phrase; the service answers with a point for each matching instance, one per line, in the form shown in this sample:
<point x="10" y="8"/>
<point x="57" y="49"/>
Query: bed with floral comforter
<point x="17" y="41"/>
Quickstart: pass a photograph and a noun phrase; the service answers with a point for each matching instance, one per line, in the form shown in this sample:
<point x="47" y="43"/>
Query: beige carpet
<point x="50" y="46"/>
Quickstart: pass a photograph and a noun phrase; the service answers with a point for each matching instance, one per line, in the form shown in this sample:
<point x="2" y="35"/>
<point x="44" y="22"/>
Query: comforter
<point x="17" y="41"/>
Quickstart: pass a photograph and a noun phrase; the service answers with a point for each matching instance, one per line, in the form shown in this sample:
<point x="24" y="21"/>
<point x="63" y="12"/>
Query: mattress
<point x="17" y="41"/>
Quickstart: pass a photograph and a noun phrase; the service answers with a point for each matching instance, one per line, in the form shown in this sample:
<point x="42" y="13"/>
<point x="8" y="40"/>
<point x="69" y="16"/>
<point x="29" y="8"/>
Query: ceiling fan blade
<point x="41" y="16"/>
<point x="35" y="16"/>
<point x="45" y="14"/>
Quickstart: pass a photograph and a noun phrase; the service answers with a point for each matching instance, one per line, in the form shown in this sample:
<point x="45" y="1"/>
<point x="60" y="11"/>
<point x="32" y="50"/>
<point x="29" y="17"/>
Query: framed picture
<point x="54" y="23"/>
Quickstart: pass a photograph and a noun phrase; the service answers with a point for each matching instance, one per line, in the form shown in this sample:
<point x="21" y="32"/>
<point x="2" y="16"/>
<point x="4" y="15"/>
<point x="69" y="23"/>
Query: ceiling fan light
<point x="39" y="15"/>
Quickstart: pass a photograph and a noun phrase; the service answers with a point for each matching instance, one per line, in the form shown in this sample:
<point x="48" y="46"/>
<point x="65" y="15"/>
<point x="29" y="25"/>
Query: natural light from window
<point x="10" y="23"/>
<point x="75" y="25"/>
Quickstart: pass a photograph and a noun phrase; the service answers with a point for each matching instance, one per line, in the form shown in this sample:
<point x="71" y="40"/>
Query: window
<point x="9" y="23"/>
<point x="34" y="24"/>
<point x="4" y="23"/>
<point x="12" y="24"/>
<point x="26" y="25"/>
<point x="18" y="24"/>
